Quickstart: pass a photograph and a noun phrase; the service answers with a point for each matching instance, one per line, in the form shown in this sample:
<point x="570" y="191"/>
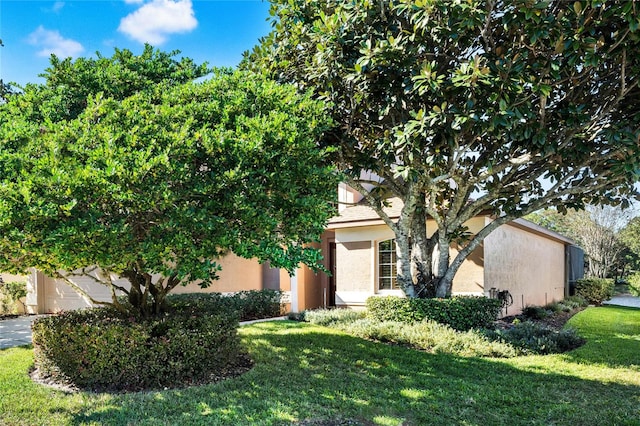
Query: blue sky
<point x="215" y="31"/>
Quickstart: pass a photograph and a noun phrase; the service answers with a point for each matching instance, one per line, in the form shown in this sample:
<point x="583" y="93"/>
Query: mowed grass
<point x="308" y="374"/>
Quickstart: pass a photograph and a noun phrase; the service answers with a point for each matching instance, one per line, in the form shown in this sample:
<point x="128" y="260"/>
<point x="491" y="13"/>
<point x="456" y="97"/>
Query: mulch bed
<point x="556" y="320"/>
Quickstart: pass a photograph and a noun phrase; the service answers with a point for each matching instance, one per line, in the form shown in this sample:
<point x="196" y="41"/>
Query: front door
<point x="331" y="297"/>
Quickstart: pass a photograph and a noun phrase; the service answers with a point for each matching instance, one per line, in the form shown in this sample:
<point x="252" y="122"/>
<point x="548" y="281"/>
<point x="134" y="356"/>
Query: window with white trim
<point x="387" y="272"/>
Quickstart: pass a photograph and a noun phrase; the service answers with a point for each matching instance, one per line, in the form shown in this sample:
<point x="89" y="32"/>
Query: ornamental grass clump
<point x="430" y="336"/>
<point x="332" y="317"/>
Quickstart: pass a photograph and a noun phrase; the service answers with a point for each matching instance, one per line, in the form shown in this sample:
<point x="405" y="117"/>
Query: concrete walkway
<point x="624" y="300"/>
<point x="17" y="331"/>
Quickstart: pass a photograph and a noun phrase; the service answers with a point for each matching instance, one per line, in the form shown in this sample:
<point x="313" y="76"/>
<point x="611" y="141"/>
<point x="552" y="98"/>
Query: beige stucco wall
<point x="469" y="279"/>
<point x="237" y="274"/>
<point x="356" y="273"/>
<point x="356" y="264"/>
<point x="531" y="267"/>
<point x="51" y="295"/>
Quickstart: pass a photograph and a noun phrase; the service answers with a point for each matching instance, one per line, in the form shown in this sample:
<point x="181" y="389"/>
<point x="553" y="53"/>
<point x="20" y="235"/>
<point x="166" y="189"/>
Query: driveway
<point x="624" y="300"/>
<point x="16" y="331"/>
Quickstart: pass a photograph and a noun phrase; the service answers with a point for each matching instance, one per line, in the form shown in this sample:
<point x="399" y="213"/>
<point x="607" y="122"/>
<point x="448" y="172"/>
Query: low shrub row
<point x="460" y="313"/>
<point x="248" y="305"/>
<point x="566" y="305"/>
<point x="331" y="317"/>
<point x="533" y="338"/>
<point x="595" y="290"/>
<point x="520" y="338"/>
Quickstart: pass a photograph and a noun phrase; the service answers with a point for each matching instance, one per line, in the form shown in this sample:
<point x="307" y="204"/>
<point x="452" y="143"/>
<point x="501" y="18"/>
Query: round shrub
<point x="460" y="313"/>
<point x="100" y="350"/>
<point x="595" y="290"/>
<point x="634" y="284"/>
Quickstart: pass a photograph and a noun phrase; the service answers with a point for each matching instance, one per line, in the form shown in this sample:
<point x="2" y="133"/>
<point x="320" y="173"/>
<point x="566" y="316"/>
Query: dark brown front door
<point x="331" y="299"/>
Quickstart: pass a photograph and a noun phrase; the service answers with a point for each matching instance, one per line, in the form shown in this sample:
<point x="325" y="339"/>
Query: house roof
<point x="361" y="214"/>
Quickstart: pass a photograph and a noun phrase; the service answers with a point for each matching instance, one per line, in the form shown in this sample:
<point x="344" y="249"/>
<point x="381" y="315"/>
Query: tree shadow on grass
<point x="307" y="373"/>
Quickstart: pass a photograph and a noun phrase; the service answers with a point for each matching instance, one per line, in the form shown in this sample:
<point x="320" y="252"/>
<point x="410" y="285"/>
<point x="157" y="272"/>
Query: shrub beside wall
<point x="461" y="313"/>
<point x="248" y="305"/>
<point x="595" y="290"/>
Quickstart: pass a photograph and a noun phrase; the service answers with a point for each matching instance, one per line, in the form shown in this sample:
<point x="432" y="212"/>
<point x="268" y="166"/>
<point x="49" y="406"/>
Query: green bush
<point x="461" y="313"/>
<point x="429" y="336"/>
<point x="573" y="302"/>
<point x="247" y="305"/>
<point x="595" y="290"/>
<point x="634" y="284"/>
<point x="10" y="293"/>
<point x="331" y="317"/>
<point x="535" y="312"/>
<point x="98" y="349"/>
<point x="535" y="338"/>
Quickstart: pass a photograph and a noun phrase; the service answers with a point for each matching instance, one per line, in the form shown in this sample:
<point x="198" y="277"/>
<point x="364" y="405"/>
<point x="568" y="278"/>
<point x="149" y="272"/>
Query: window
<point x="387" y="273"/>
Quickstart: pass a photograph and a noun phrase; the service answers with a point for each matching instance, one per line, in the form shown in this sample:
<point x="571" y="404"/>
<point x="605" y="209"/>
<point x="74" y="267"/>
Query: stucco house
<point x="530" y="262"/>
<point x="535" y="265"/>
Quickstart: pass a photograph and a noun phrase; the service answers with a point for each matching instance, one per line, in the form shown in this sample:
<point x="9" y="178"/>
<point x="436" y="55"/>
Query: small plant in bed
<point x="195" y="341"/>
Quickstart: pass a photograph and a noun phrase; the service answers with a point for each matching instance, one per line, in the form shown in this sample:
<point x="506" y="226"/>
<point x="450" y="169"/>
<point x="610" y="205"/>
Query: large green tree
<point x="123" y="167"/>
<point x="467" y="107"/>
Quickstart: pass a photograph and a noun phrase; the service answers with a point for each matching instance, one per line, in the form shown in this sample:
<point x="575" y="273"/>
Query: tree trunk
<point x="443" y="280"/>
<point x="403" y="264"/>
<point x="421" y="255"/>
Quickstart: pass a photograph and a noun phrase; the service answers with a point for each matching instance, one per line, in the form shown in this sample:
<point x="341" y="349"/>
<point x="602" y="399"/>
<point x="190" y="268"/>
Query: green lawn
<point x="309" y="373"/>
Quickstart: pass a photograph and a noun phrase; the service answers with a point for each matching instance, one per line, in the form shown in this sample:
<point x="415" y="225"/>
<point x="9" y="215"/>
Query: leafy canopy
<point x="469" y="107"/>
<point x="160" y="176"/>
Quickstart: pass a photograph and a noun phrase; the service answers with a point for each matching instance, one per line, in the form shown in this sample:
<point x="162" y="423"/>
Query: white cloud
<point x="57" y="6"/>
<point x="153" y="22"/>
<point x="51" y="42"/>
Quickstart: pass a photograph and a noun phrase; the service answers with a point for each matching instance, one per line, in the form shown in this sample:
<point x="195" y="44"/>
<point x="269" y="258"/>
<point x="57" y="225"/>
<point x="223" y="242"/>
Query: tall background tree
<point x="467" y="107"/>
<point x="599" y="231"/>
<point x="123" y="167"/>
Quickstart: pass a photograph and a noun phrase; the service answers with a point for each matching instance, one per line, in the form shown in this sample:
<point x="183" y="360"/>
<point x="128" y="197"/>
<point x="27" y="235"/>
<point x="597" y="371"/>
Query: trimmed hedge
<point x="195" y="341"/>
<point x="248" y="305"/>
<point x="95" y="349"/>
<point x="595" y="290"/>
<point x="460" y="313"/>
